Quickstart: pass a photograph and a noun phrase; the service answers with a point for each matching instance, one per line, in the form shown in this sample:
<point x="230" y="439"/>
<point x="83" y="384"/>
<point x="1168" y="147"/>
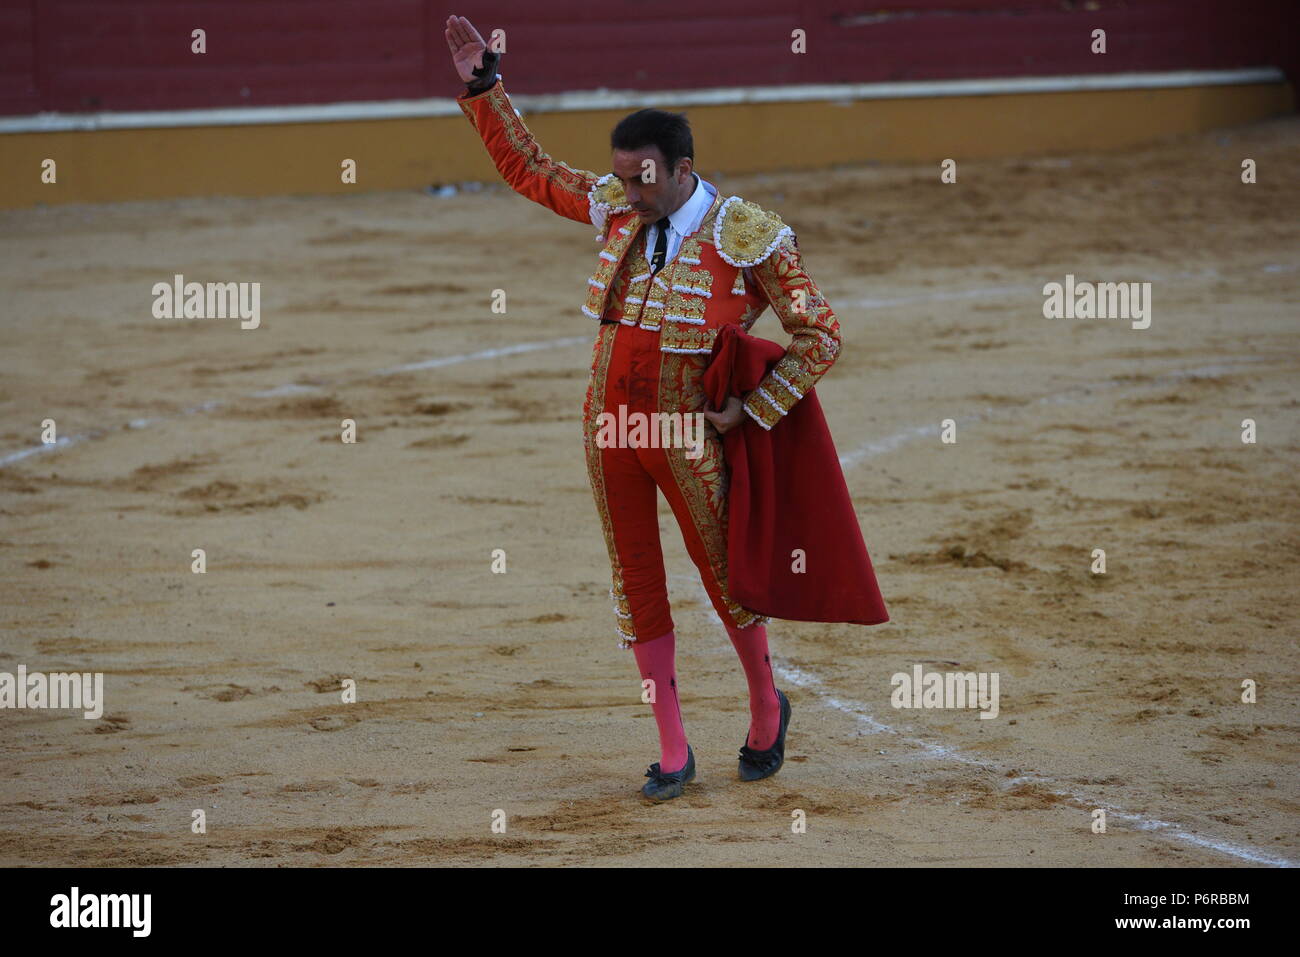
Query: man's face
<point x="670" y="188"/>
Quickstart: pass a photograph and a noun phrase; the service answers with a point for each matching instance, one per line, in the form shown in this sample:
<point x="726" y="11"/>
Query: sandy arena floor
<point x="480" y="692"/>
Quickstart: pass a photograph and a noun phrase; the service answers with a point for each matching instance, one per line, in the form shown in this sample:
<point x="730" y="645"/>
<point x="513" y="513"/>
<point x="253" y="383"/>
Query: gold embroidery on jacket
<point x="816" y="330"/>
<point x="680" y="338"/>
<point x="636" y="275"/>
<point x="609" y="191"/>
<point x="656" y="295"/>
<point x="683" y="314"/>
<point x="688" y="307"/>
<point x="747" y="233"/>
<point x="598" y="286"/>
<point x="751" y="314"/>
<point x="537" y="161"/>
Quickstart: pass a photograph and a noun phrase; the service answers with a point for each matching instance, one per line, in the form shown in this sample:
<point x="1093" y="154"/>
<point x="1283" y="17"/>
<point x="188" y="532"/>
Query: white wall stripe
<point x="632" y="99"/>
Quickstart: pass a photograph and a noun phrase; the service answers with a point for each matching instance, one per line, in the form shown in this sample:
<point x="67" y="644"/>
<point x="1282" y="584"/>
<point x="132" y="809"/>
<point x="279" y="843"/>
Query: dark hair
<point x="671" y="132"/>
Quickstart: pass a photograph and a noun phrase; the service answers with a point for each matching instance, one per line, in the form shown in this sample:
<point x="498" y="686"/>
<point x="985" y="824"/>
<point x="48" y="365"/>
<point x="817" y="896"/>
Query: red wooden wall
<point x="90" y="55"/>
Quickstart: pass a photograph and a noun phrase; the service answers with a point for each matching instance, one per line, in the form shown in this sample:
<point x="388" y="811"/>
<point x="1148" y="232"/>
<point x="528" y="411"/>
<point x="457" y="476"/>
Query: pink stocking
<point x="657" y="661"/>
<point x="764" y="706"/>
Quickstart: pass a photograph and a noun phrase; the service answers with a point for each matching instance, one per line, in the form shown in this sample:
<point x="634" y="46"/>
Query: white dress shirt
<point x="683" y="222"/>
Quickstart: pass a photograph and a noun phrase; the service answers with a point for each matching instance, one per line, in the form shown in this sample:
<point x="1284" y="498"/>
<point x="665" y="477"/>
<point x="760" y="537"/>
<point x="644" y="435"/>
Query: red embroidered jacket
<point x="741" y="260"/>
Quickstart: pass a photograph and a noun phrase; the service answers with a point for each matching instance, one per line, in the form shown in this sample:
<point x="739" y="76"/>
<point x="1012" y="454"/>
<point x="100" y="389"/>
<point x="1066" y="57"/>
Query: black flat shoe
<point x="665" y="787"/>
<point x="756" y="765"/>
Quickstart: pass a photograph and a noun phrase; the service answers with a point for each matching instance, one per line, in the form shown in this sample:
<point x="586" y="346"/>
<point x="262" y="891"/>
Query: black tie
<point x="661" y="247"/>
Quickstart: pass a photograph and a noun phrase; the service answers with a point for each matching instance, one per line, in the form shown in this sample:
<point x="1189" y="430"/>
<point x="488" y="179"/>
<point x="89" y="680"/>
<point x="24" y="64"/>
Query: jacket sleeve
<point x="808" y="318"/>
<point x="520" y="159"/>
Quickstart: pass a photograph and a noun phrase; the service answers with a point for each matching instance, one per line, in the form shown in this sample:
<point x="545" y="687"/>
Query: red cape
<point x="787" y="492"/>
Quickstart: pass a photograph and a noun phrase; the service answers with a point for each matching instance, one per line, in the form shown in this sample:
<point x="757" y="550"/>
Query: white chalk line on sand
<point x="941" y="296"/>
<point x="293" y="388"/>
<point x="1074" y="393"/>
<point x="861" y="453"/>
<point x="489" y="354"/>
<point x="931" y="749"/>
<point x="871" y="725"/>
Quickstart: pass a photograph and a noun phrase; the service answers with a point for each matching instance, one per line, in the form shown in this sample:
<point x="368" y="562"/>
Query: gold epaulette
<point x="608" y="193"/>
<point x="745" y="234"/>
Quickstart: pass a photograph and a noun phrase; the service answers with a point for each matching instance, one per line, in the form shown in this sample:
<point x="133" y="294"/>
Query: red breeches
<point x="630" y="371"/>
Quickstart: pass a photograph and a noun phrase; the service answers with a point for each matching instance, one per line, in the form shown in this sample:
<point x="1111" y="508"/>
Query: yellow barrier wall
<point x="255" y="160"/>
